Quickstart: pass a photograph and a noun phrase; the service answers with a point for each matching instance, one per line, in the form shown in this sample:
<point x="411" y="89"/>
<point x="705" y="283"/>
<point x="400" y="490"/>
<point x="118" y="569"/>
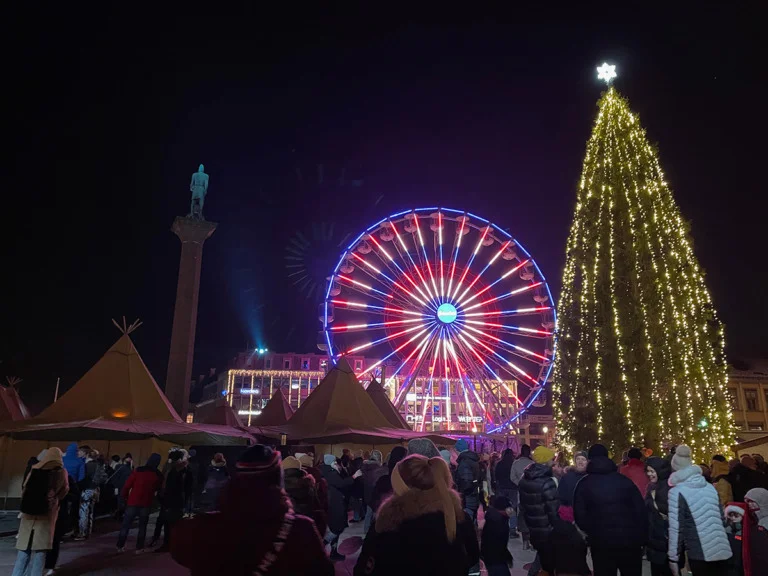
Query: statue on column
<point x="199" y="188"/>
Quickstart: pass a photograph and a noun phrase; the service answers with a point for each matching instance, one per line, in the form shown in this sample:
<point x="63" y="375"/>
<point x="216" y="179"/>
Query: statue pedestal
<point x="192" y="233"/>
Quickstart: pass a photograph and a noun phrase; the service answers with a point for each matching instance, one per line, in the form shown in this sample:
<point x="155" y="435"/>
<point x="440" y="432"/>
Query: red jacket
<point x="139" y="490"/>
<point x="635" y="471"/>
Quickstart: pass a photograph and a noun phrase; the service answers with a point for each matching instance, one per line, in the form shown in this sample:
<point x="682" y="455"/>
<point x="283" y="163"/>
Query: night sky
<point x="110" y="111"/>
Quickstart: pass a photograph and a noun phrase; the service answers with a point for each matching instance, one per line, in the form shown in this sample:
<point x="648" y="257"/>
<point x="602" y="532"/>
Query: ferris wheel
<point x="450" y="312"/>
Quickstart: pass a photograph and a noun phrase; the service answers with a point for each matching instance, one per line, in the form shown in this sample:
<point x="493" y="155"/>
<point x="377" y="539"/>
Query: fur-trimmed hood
<point x="413" y="504"/>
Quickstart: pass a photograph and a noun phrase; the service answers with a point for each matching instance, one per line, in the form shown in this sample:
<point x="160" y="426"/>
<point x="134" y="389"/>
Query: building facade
<point x="748" y="388"/>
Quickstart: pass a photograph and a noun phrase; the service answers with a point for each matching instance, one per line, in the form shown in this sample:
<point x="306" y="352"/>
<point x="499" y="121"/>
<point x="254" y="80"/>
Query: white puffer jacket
<point x="695" y="518"/>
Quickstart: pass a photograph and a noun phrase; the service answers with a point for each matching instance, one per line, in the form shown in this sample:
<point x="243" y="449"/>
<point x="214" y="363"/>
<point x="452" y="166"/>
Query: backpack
<point x="34" y="500"/>
<point x="99" y="476"/>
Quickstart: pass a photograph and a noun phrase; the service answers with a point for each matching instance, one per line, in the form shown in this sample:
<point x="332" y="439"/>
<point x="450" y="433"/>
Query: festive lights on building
<point x="640" y="352"/>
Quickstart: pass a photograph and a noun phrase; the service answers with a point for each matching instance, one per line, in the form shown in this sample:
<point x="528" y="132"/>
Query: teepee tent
<point x="223" y="414"/>
<point x="380" y="398"/>
<point x="118" y="386"/>
<point x="12" y="409"/>
<point x="276" y="412"/>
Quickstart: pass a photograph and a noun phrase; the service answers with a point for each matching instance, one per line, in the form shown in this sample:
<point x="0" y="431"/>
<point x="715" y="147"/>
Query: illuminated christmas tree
<point x="640" y="350"/>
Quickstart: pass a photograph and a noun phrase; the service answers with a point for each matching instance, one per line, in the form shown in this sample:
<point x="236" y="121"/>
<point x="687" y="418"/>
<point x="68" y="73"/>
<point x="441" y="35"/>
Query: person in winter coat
<point x="744" y="476"/>
<point x="121" y="471"/>
<point x="721" y="480"/>
<point x="372" y="471"/>
<point x="74" y="462"/>
<point x="567" y="485"/>
<point x="634" y="469"/>
<point x="256" y="532"/>
<point x="495" y="537"/>
<point x="506" y="488"/>
<point x="45" y="487"/>
<point x="539" y="504"/>
<point x="90" y="487"/>
<point x="757" y="502"/>
<point x="138" y="493"/>
<point x="422" y="528"/>
<point x="338" y="491"/>
<point x="468" y="478"/>
<point x="516" y="474"/>
<point x="216" y="482"/>
<point x="695" y="519"/>
<point x="30" y="463"/>
<point x="383" y="488"/>
<point x="737" y="529"/>
<point x="300" y="487"/>
<point x="423" y="446"/>
<point x="175" y="494"/>
<point x="569" y="547"/>
<point x="608" y="507"/>
<point x="657" y="510"/>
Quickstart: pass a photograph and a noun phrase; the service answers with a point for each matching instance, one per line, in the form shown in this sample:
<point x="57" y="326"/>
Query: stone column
<point x="192" y="233"/>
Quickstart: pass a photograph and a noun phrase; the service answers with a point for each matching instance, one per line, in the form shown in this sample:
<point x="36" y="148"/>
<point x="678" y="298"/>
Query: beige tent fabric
<point x="225" y="415"/>
<point x="339" y="401"/>
<point x="12" y="409"/>
<point x="380" y="398"/>
<point x="277" y="411"/>
<point x="118" y="386"/>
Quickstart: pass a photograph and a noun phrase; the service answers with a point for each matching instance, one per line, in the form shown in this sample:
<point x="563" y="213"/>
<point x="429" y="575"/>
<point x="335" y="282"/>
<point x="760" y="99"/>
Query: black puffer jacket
<point x="539" y="502"/>
<point x="300" y="488"/>
<point x="468" y="479"/>
<point x="609" y="507"/>
<point x="338" y="492"/>
<point x="502" y="472"/>
<point x="657" y="509"/>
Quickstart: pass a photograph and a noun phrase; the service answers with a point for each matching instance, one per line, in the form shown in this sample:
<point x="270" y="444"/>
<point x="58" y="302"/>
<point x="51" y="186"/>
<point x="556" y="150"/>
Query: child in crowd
<point x="735" y="528"/>
<point x="569" y="546"/>
<point x="493" y="542"/>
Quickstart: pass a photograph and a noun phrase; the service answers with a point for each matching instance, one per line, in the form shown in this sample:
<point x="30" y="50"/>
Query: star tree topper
<point x="606" y="72"/>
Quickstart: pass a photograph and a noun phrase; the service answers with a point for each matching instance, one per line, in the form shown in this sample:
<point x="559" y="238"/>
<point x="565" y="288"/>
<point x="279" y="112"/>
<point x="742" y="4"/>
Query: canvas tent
<point x="223" y="414"/>
<point x="380" y="398"/>
<point x="12" y="409"/>
<point x="339" y="411"/>
<point x="115" y="407"/>
<point x="276" y="412"/>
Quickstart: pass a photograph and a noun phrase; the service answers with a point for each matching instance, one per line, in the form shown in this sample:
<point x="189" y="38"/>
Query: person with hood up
<point x="506" y="488"/>
<point x="468" y="478"/>
<point x="45" y="487"/>
<point x="695" y="519"/>
<point x="74" y="462"/>
<point x="383" y="488"/>
<point x="721" y="479"/>
<point x="539" y="504"/>
<point x="215" y="483"/>
<point x="516" y="474"/>
<point x="321" y="491"/>
<point x="121" y="470"/>
<point x="256" y="532"/>
<point x="422" y="528"/>
<point x="608" y="507"/>
<point x="338" y="492"/>
<point x="657" y="510"/>
<point x="138" y="493"/>
<point x="373" y="470"/>
<point x="757" y="502"/>
<point x="634" y="469"/>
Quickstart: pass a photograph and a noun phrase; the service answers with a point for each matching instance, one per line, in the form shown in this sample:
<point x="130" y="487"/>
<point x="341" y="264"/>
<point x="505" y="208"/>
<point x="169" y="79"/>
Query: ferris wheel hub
<point x="446" y="313"/>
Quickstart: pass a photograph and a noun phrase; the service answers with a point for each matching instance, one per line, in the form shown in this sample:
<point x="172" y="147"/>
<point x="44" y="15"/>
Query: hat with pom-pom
<point x="682" y="458"/>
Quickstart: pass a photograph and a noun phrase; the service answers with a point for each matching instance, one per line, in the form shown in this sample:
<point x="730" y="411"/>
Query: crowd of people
<point x="420" y="506"/>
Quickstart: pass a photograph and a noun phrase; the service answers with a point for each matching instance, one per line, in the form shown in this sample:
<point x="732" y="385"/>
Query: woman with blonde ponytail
<point x="422" y="528"/>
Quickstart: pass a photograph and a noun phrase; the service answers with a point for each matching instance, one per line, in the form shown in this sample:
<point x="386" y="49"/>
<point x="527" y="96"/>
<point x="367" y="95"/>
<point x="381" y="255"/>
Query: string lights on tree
<point x="640" y="351"/>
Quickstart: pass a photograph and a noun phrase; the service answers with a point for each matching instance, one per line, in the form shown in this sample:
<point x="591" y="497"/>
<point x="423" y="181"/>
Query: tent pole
<point x="56" y="394"/>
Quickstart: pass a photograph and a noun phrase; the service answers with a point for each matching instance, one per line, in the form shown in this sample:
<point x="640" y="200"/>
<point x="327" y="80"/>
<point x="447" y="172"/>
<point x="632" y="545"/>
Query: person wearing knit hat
<point x="609" y="508"/>
<point x="177" y="492"/>
<point x="373" y="471"/>
<point x="543" y="455"/>
<point x="423" y="446"/>
<point x="421" y="529"/>
<point x="539" y="503"/>
<point x="695" y="518"/>
<point x="383" y="487"/>
<point x="339" y="490"/>
<point x="461" y="445"/>
<point x="215" y="483"/>
<point x="257" y="530"/>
